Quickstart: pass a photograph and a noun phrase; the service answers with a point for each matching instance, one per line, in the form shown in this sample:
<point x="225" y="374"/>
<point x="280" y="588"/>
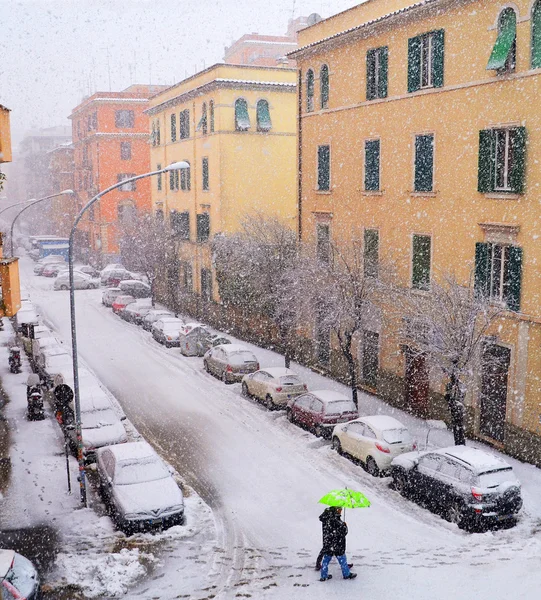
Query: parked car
<point x="18" y="577"/>
<point x="111" y="267"/>
<point x="469" y="487"/>
<point x="138" y="487"/>
<point x="134" y="312"/>
<point x="373" y="440"/>
<point x="109" y="296"/>
<point x="321" y="410"/>
<point x="81" y="281"/>
<point x="275" y="386"/>
<point x="26" y="316"/>
<point x="155" y="315"/>
<point x="52" y="258"/>
<point x="135" y="288"/>
<point x="121" y="302"/>
<point x="113" y="277"/>
<point x="49" y="366"/>
<point x="88" y="270"/>
<point x="166" y="331"/>
<point x="193" y="339"/>
<point x="39" y="345"/>
<point x="230" y="362"/>
<point x="52" y="269"/>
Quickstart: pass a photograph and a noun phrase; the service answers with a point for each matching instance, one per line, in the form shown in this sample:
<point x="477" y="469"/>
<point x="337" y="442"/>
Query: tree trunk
<point x="453" y="397"/>
<point x="284" y="338"/>
<point x="352" y="372"/>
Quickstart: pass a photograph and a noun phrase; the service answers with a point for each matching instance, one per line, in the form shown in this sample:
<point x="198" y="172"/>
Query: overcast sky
<point x="54" y="52"/>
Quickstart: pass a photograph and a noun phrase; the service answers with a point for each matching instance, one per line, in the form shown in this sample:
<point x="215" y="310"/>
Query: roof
<point x="131" y="450"/>
<point x="279" y="371"/>
<point x="330" y="395"/>
<point x="6" y="559"/>
<point x="382" y="422"/>
<point x="479" y="460"/>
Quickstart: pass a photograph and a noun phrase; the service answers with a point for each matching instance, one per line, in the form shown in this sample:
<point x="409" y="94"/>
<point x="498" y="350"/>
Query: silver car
<point x="230" y="362"/>
<point x="275" y="386"/>
<point x="81" y="281"/>
<point x="109" y="296"/>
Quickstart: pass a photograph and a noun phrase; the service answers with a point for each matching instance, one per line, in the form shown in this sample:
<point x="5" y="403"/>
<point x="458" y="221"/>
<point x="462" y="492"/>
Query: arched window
<point x="324" y="86"/>
<point x="242" y="118"/>
<point x="211" y="115"/>
<point x="536" y="35"/>
<point x="310" y="90"/>
<point x="263" y="116"/>
<point x="185" y="178"/>
<point x="504" y="53"/>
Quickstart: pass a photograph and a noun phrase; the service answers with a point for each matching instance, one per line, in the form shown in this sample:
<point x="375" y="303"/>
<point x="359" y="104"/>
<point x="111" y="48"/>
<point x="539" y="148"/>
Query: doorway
<point x="493" y="398"/>
<point x="416" y="384"/>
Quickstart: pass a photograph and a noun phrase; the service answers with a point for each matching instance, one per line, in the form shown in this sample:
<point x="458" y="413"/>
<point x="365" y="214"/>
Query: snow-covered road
<point x="263" y="476"/>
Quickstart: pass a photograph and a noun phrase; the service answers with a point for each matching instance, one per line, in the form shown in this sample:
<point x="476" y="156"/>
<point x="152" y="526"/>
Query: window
<point x="174" y="178"/>
<point x="125" y="150"/>
<point x="504" y="53"/>
<point x="180" y="224"/>
<point x="420" y="277"/>
<point x="242" y="119"/>
<point x="309" y="90"/>
<point x="188" y="277"/>
<point x="370" y="359"/>
<point x="323" y="244"/>
<point x="324" y="86"/>
<point x="424" y="163"/>
<point x="324" y="168"/>
<point x="94" y="120"/>
<point x="155" y="136"/>
<point x="498" y="273"/>
<point x="203" y="227"/>
<point x="371" y="253"/>
<point x="205" y="173"/>
<point x="202" y="125"/>
<point x="502" y="160"/>
<point x="206" y="284"/>
<point x="536" y="35"/>
<point x="185" y="179"/>
<point x="124" y="119"/>
<point x="126" y="212"/>
<point x="173" y="127"/>
<point x="127" y="187"/>
<point x="376" y="73"/>
<point x="371" y="165"/>
<point x="263" y="116"/>
<point x="159" y="178"/>
<point x="425" y="61"/>
<point x="184" y="124"/>
<point x="211" y="115"/>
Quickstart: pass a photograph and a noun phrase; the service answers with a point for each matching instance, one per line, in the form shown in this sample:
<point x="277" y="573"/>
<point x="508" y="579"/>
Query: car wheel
<point x="245" y="391"/>
<point x="372" y="467"/>
<point x="318" y="431"/>
<point x="224" y="377"/>
<point x="206" y="366"/>
<point x="400" y="482"/>
<point x="289" y="415"/>
<point x="63" y="287"/>
<point x="455" y="515"/>
<point x="336" y="445"/>
<point x="269" y="402"/>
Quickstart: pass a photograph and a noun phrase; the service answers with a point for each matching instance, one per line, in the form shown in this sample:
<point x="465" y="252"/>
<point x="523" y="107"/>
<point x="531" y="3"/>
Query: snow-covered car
<point x="373" y="440"/>
<point x="135" y="288"/>
<point x="192" y="339"/>
<point x="138" y="487"/>
<point x="166" y="331"/>
<point x="155" y="315"/>
<point x="109" y="296"/>
<point x="121" y="302"/>
<point x="275" y="386"/>
<point x="41" y="264"/>
<point x="113" y="277"/>
<point x="111" y="267"/>
<point x="321" y="410"/>
<point x="39" y="345"/>
<point x="81" y="281"/>
<point x="88" y="270"/>
<point x="230" y="362"/>
<point x="50" y="365"/>
<point x="136" y="311"/>
<point x="52" y="269"/>
<point x="468" y="486"/>
<point x="18" y="577"/>
<point x="26" y="316"/>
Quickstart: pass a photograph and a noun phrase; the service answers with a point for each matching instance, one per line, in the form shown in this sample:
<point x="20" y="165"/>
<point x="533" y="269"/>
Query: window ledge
<point x="423" y="194"/>
<point x="323" y="192"/>
<point x="503" y="195"/>
<point x="420" y="291"/>
<point x="372" y="193"/>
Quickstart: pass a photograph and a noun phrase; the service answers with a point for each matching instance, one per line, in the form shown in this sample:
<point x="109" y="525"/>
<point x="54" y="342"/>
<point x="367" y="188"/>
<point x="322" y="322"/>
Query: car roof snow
<point x="279" y="371"/>
<point x="479" y="460"/>
<point x="382" y="422"/>
<point x="232" y="348"/>
<point x="330" y="395"/>
<point x="131" y="451"/>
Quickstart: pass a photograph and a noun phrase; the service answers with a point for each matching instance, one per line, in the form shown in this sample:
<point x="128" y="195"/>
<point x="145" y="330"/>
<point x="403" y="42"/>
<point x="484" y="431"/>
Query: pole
<point x="67" y="464"/>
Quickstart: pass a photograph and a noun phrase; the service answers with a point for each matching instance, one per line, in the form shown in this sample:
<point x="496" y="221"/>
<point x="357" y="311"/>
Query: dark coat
<point x="334" y="533"/>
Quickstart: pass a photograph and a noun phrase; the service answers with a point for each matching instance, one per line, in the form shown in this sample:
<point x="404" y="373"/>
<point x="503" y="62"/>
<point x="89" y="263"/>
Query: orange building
<point x="110" y="142"/>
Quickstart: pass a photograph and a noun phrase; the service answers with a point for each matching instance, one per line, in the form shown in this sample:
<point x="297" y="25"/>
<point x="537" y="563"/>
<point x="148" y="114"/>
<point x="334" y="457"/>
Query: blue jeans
<point x="342" y="560"/>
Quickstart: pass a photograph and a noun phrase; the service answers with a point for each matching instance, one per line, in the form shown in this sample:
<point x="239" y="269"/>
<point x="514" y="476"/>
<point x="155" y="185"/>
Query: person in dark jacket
<point x="334" y="543"/>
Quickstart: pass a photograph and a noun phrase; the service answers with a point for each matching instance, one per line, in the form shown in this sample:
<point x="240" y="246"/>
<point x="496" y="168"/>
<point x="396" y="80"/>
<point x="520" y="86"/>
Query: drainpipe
<point x="299" y="154"/>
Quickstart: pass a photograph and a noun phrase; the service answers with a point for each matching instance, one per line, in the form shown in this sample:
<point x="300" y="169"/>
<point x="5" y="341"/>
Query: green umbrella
<point x="346" y="499"/>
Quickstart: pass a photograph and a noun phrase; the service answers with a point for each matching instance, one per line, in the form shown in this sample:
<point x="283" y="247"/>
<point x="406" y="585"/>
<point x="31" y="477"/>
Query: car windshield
<point x="239" y="358"/>
<point x="21" y="576"/>
<point x="338" y="407"/>
<point x="290" y="380"/>
<point x="141" y="471"/>
<point x="397" y="436"/>
<point x="491" y="479"/>
<point x="98" y="418"/>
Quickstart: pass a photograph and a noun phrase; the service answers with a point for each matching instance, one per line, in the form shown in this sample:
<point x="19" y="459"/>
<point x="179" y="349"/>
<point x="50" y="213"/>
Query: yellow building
<point x="421" y="142"/>
<point x="5" y="135"/>
<point x="236" y="127"/>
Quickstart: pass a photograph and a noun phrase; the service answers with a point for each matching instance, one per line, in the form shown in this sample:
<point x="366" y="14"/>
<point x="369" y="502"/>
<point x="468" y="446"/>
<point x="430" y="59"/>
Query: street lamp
<point x="31" y="203"/>
<point x="17" y="204"/>
<point x="77" y="399"/>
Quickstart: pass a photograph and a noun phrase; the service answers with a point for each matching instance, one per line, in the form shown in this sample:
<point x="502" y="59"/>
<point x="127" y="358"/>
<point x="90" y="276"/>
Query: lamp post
<point x="30" y="204"/>
<point x="77" y="399"/>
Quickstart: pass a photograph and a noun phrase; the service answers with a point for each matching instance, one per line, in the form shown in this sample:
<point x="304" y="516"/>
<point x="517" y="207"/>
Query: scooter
<point x="35" y="406"/>
<point x="15" y="360"/>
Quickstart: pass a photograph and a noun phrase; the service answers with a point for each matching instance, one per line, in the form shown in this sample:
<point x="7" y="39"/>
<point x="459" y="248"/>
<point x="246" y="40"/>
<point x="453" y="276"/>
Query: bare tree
<point x="448" y="327"/>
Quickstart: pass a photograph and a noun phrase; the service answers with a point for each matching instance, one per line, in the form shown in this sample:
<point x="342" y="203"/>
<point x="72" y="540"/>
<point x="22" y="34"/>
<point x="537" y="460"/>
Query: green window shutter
<point x="310" y="91"/>
<point x="437" y="64"/>
<point x="536" y="36"/>
<point x="383" y="69"/>
<point x="205" y="173"/>
<point x="324" y="86"/>
<point x="507" y="33"/>
<point x="242" y="119"/>
<point x="414" y="64"/>
<point x="518" y="165"/>
<point x="263" y="116"/>
<point x="371" y="165"/>
<point x="371" y="75"/>
<point x="424" y="163"/>
<point x="487" y="158"/>
<point x="324" y="168"/>
<point x="371" y="252"/>
<point x="513" y="278"/>
<point x="421" y="262"/>
<point x="482" y="269"/>
<point x="173" y="128"/>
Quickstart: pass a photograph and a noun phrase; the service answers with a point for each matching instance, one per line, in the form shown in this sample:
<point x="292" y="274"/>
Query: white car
<point x="136" y="311"/>
<point x="275" y="386"/>
<point x="81" y="281"/>
<point x="138" y="487"/>
<point x="155" y="315"/>
<point x="166" y="331"/>
<point x="50" y="366"/>
<point x="38" y="346"/>
<point x="109" y="295"/>
<point x="374" y="440"/>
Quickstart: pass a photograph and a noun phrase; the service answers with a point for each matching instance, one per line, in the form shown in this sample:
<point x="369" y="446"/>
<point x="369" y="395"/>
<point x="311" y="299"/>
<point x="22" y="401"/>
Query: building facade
<point x="110" y="143"/>
<point x="420" y="140"/>
<point x="236" y="127"/>
<point x="63" y="210"/>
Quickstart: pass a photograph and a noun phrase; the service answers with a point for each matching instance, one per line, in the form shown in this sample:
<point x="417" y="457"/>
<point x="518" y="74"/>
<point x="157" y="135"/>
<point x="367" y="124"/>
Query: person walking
<point x="334" y="543"/>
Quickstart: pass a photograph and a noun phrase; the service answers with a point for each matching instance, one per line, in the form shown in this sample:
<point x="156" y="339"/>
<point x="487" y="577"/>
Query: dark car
<point x="135" y="288"/>
<point x="113" y="277"/>
<point x="18" y="577"/>
<point x="469" y="487"/>
<point x="321" y="410"/>
<point x="230" y="362"/>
